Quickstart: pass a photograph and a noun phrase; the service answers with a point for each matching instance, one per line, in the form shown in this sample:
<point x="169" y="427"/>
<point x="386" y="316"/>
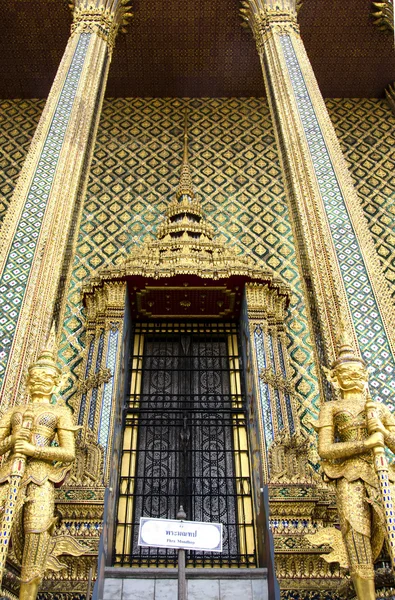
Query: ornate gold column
<point x="100" y="373"/>
<point x="338" y="261"/>
<point x="45" y="207"/>
<point x="271" y="397"/>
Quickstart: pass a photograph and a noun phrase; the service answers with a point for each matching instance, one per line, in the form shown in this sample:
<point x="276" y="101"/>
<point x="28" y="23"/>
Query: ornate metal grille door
<point x="185" y="442"/>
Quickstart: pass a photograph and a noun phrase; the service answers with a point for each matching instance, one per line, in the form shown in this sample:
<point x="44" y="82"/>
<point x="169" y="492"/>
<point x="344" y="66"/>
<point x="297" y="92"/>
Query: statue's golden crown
<point x="346" y="352"/>
<point x="47" y="357"/>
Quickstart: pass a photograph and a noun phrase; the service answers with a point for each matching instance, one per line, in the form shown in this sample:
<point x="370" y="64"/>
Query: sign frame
<point x="180" y="529"/>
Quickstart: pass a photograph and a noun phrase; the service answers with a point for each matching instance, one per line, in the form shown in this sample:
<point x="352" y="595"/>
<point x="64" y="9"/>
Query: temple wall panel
<point x="18" y="121"/>
<point x="365" y="128"/>
<point x="237" y="177"/>
<point x="236" y="174"/>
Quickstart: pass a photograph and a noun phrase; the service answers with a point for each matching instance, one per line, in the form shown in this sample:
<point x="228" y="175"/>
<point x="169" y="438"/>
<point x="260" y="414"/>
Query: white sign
<point x="186" y="535"/>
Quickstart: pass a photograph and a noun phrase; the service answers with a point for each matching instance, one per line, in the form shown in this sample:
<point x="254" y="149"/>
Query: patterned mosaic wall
<point x="18" y="120"/>
<point x="236" y="174"/>
<point x="23" y="247"/>
<point x="366" y="129"/>
<point x="369" y="327"/>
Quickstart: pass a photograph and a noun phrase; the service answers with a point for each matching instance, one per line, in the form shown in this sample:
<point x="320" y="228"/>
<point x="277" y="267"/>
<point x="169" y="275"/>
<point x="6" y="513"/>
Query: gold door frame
<point x="270" y="395"/>
<point x="247" y="538"/>
<point x="263" y="310"/>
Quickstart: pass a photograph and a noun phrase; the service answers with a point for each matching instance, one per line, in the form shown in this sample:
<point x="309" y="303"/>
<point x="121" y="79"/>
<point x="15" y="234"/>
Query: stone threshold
<point x="191" y="573"/>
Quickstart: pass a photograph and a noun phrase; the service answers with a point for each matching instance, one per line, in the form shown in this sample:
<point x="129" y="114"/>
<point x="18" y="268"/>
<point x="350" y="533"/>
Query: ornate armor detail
<point x="348" y="450"/>
<point x="40" y="440"/>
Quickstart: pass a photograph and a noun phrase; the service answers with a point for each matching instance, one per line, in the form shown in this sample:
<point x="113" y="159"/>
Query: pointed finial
<point x="185" y="187"/>
<point x="181" y="515"/>
<point x="185" y="156"/>
<point x="346" y="352"/>
<point x="47" y="357"/>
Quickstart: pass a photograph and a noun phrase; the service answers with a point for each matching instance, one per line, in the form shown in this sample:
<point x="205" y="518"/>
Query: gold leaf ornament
<point x="330" y="536"/>
<point x="63" y="544"/>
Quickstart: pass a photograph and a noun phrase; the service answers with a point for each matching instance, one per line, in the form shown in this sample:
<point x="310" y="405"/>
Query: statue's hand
<point x="374" y="425"/>
<point x="24" y="447"/>
<point x="21" y="434"/>
<point x="376" y="439"/>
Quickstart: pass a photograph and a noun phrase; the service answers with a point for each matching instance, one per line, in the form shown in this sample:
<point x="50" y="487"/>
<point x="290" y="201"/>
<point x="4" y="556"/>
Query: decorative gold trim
<point x="225" y="292"/>
<point x="307" y="225"/>
<point x="357" y="217"/>
<point x="266" y="17"/>
<point x="390" y="97"/>
<point x="46" y="267"/>
<point x="94" y="380"/>
<point x="383" y="14"/>
<point x="105" y="19"/>
<point x="104" y="313"/>
<point x="102" y="24"/>
<point x="309" y="220"/>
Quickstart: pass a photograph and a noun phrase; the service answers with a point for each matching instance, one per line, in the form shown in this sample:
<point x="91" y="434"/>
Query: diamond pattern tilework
<point x="116" y="211"/>
<point x="236" y="174"/>
<point x="371" y="334"/>
<point x="108" y="389"/>
<point x="14" y="278"/>
<point x="193" y="49"/>
<point x="366" y="129"/>
<point x="18" y="121"/>
<point x="87" y="370"/>
<point x="99" y="357"/>
<point x="264" y="391"/>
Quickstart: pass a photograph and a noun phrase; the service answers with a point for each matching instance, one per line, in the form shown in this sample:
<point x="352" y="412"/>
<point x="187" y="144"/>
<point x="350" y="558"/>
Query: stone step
<point x="202" y="584"/>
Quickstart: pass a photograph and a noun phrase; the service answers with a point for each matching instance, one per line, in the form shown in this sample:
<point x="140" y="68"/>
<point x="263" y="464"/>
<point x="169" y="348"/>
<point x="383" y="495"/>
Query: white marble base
<point x="198" y="589"/>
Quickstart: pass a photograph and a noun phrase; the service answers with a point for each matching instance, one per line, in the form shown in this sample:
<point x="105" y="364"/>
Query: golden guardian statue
<point x="39" y="440"/>
<point x="353" y="432"/>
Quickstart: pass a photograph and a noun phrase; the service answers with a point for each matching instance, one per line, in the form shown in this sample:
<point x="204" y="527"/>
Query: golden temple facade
<point x="206" y="247"/>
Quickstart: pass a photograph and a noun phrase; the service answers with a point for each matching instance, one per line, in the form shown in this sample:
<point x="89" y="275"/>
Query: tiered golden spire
<point x="185" y="242"/>
<point x="185" y="187"/>
<point x="184" y="216"/>
<point x="47" y="357"/>
<point x="346" y="352"/>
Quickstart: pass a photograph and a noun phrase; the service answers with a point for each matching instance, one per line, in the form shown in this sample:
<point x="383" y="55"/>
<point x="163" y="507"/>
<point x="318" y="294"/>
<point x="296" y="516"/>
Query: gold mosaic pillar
<point x="270" y="391"/>
<point x="102" y="374"/>
<point x="47" y="199"/>
<point x="341" y="270"/>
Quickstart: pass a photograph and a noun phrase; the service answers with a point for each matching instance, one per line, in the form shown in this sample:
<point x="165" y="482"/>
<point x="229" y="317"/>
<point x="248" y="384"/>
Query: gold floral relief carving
<point x="105" y="19"/>
<point x="47" y="265"/>
<point x="94" y="380"/>
<point x="310" y="220"/>
<point x="365" y="241"/>
<point x="267" y="17"/>
<point x="383" y="14"/>
<point x="390" y="97"/>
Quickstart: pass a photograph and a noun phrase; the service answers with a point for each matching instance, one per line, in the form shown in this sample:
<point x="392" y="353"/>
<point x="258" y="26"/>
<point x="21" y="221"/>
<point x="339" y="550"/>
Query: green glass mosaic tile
<point x="140" y="139"/>
<point x="14" y="278"/>
<point x="366" y="129"/>
<point x="18" y="121"/>
<point x="369" y="328"/>
<point x="235" y="168"/>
